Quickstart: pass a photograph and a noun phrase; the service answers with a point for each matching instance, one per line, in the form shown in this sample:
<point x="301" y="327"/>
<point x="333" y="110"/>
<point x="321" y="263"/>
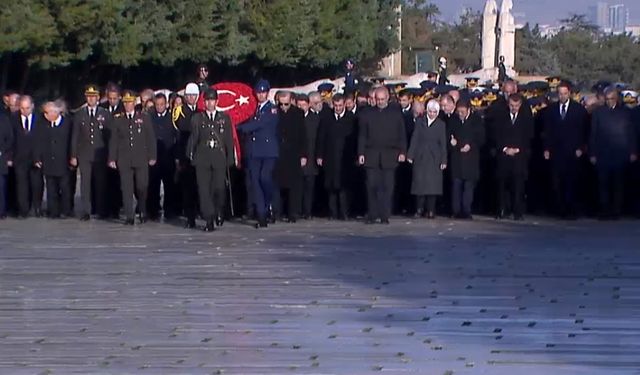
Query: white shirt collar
<point x="131" y="114"/>
<point x="58" y="121"/>
<point x="212" y="114"/>
<point x="339" y="115"/>
<point x="162" y="114"/>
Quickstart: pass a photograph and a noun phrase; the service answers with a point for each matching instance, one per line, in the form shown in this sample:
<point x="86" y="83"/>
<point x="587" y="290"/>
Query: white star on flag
<point x="242" y="100"/>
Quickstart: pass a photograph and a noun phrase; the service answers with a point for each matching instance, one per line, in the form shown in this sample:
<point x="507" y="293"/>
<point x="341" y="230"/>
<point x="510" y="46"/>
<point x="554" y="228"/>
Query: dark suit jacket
<point x="52" y="147"/>
<point x="613" y="136"/>
<point x="24" y="141"/>
<point x="293" y="146"/>
<point x="133" y="143"/>
<point x="311" y="125"/>
<point x="337" y="147"/>
<point x="382" y="137"/>
<point x="6" y="144"/>
<point x="518" y="135"/>
<point x="562" y="137"/>
<point x="466" y="165"/>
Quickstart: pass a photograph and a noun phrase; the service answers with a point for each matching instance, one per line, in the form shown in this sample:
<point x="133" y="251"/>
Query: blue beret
<point x="262" y="86"/>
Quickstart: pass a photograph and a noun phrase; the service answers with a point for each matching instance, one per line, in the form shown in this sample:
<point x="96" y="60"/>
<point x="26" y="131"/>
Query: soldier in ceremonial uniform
<point x="113" y="105"/>
<point x="132" y="149"/>
<point x="181" y="117"/>
<point x="210" y="149"/>
<point x="263" y="148"/>
<point x="89" y="153"/>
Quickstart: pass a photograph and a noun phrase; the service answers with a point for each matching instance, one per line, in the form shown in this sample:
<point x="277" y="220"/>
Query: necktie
<point x="111" y="109"/>
<point x="130" y="116"/>
<point x="26" y="124"/>
<point x="210" y="117"/>
<point x="91" y="113"/>
<point x="513" y="119"/>
<point x="563" y="111"/>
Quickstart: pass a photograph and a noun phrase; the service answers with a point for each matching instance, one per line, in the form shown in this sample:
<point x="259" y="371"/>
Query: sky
<point x="538" y="11"/>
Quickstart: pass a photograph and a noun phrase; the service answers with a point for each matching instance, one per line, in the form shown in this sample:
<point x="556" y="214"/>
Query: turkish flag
<point x="238" y="101"/>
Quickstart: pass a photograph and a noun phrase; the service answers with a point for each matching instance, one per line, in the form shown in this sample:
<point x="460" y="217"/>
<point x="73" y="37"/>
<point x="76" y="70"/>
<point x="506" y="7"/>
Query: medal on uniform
<point x="212" y="143"/>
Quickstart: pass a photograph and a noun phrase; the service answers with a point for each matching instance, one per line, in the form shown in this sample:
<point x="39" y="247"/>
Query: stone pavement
<point x="414" y="297"/>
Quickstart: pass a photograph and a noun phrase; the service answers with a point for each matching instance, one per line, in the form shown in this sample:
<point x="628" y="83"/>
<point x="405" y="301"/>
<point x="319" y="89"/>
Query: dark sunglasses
<point x="285" y="104"/>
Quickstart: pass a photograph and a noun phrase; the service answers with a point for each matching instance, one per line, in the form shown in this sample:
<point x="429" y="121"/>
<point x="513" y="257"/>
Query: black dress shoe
<point x="129" y="221"/>
<point x="431" y="215"/>
<point x="307" y="217"/>
<point x="209" y="227"/>
<point x="191" y="223"/>
<point x="143" y="219"/>
<point x="500" y="215"/>
<point x="384" y="221"/>
<point x="369" y="221"/>
<point x="419" y="214"/>
<point x="292" y="219"/>
<point x="37" y="212"/>
<point x="219" y="221"/>
<point x="85" y="217"/>
<point x="261" y="224"/>
<point x="518" y="217"/>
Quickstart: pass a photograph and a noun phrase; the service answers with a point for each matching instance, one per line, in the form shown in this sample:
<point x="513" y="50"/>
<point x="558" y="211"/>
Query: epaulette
<point x="175" y="115"/>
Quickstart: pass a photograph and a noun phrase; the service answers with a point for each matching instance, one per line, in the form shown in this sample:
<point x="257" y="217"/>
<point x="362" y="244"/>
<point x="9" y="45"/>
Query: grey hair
<point x="433" y="105"/>
<point x="26" y="98"/>
<point x="56" y="106"/>
<point x="314" y="94"/>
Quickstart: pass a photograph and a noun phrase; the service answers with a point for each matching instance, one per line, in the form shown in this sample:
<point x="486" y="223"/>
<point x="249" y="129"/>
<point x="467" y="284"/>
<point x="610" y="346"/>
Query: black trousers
<point x="114" y="194"/>
<point x="250" y="207"/>
<point x="426" y="202"/>
<point x="380" y="192"/>
<point x="162" y="173"/>
<point x="211" y="190"/>
<point x="189" y="190"/>
<point x="29" y="188"/>
<point x="93" y="187"/>
<point x="289" y="200"/>
<point x="404" y="203"/>
<point x="462" y="196"/>
<point x="3" y="195"/>
<point x="511" y="193"/>
<point x="134" y="179"/>
<point x="58" y="195"/>
<point x="338" y="203"/>
<point x="308" y="190"/>
<point x="611" y="189"/>
<point x="564" y="181"/>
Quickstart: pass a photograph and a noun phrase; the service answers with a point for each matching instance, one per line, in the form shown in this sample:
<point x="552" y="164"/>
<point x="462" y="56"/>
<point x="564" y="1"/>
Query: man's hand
<point x="578" y="153"/>
<point x="303" y="162"/>
<point x="319" y="162"/>
<point x="401" y="158"/>
<point x="112" y="165"/>
<point x="466" y="148"/>
<point x="593" y="160"/>
<point x="38" y="164"/>
<point x="152" y="162"/>
<point x="453" y="141"/>
<point x="633" y="158"/>
<point x="73" y="162"/>
<point x="410" y="161"/>
<point x="443" y="167"/>
<point x="361" y="159"/>
<point x="9" y="163"/>
<point x="547" y="155"/>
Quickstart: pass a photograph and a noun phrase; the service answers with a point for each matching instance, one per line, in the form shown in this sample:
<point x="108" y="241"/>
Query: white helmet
<point x="192" y="89"/>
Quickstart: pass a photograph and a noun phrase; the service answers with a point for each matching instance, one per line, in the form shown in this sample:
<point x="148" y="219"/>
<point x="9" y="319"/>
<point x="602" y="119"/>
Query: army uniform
<point x="181" y="117"/>
<point x="210" y="149"/>
<point x="89" y="147"/>
<point x="132" y="146"/>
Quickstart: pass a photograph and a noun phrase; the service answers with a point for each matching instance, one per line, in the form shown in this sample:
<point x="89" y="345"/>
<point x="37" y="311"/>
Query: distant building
<point x="548" y="31"/>
<point x="618" y="18"/>
<point x="599" y="15"/>
<point x="633" y="30"/>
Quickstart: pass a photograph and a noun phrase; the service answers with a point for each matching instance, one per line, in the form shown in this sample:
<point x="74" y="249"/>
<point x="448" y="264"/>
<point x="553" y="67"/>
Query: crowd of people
<point x="367" y="152"/>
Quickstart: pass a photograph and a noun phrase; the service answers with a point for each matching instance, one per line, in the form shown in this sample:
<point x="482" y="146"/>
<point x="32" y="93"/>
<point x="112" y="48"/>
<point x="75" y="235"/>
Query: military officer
<point x="132" y="149"/>
<point x="210" y="149"/>
<point x="89" y="153"/>
<point x="263" y="148"/>
<point x="181" y="117"/>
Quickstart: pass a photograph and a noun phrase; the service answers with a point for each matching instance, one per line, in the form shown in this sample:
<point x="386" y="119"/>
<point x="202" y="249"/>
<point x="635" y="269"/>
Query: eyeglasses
<point x="285" y="104"/>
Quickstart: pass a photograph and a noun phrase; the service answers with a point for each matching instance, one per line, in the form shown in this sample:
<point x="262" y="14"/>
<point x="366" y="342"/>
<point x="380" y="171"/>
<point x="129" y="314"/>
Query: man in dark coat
<point x="6" y="160"/>
<point x="186" y="175"/>
<point x="403" y="202"/>
<point x="51" y="155"/>
<point x="114" y="196"/>
<point x="513" y="132"/>
<point x="382" y="143"/>
<point x="210" y="149"/>
<point x="466" y="138"/>
<point x="165" y="169"/>
<point x="89" y="153"/>
<point x="336" y="154"/>
<point x="565" y="141"/>
<point x="132" y="149"/>
<point x="310" y="170"/>
<point x="292" y="142"/>
<point x="612" y="146"/>
<point x="29" y="182"/>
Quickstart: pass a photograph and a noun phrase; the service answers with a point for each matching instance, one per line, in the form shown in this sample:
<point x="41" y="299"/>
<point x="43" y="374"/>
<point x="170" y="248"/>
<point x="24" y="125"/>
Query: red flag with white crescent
<point x="236" y="100"/>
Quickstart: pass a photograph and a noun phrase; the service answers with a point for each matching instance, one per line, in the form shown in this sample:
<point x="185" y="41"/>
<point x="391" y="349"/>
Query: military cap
<point x="128" y="96"/>
<point x="91" y="90"/>
<point x="553" y="81"/>
<point x="262" y="86"/>
<point x="350" y="61"/>
<point x="600" y="86"/>
<point x="325" y="87"/>
<point x="443" y="89"/>
<point x="476" y="100"/>
<point x="211" y="94"/>
<point x="472" y="81"/>
<point x="428" y="85"/>
<point x="630" y="97"/>
<point x="490" y="96"/>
